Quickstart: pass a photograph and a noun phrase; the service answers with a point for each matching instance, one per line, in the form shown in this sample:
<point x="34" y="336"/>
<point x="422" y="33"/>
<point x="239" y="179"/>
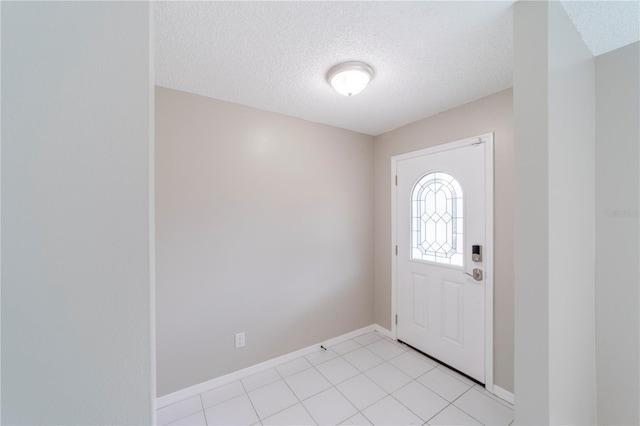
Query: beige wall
<point x="489" y="114"/>
<point x="618" y="234"/>
<point x="264" y="225"/>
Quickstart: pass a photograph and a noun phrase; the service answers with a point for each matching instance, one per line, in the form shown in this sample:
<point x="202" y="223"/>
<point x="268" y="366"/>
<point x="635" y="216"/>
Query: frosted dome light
<point x="350" y="78"/>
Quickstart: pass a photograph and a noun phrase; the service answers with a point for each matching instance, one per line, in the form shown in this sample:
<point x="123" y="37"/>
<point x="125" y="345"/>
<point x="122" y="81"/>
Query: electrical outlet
<point x="240" y="340"/>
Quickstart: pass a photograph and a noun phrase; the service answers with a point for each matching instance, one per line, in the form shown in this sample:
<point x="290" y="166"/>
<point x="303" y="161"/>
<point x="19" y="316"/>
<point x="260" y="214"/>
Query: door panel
<point x="452" y="310"/>
<point x="440" y="214"/>
<point x="420" y="298"/>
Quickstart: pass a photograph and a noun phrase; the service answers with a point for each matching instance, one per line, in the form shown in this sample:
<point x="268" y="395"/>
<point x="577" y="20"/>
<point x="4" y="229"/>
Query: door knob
<point x="477" y="274"/>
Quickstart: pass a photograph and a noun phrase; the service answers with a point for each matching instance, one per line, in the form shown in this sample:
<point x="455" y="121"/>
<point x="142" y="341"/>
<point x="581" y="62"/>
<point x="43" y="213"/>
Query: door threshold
<point x="443" y="364"/>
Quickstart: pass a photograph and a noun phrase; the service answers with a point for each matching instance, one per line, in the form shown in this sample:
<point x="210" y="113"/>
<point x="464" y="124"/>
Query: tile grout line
<point x="249" y="398"/>
<point x="203" y="413"/>
<point x="362" y="373"/>
<point x="468" y="414"/>
<point x="324" y="390"/>
<point x="321" y="375"/>
<point x="481" y="389"/>
<point x="450" y="403"/>
<point x="459" y="408"/>
<point x="348" y="400"/>
<point x="290" y="390"/>
<point x="388" y="394"/>
<point x="410" y="410"/>
<point x="184" y="417"/>
<point x="426" y="387"/>
<point x="187" y="415"/>
<point x="335" y="386"/>
<point x="358" y="411"/>
<point x="201" y="402"/>
<point x="300" y="401"/>
<point x="450" y="373"/>
<point x="296" y="396"/>
<point x="259" y="387"/>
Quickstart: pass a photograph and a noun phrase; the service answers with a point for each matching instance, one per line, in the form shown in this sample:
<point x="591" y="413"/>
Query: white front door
<point x="441" y="213"/>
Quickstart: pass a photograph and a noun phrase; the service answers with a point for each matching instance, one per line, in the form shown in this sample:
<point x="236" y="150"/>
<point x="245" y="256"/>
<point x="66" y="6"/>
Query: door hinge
<point x="396" y="180"/>
<point x="396" y="319"/>
<point x="396" y="250"/>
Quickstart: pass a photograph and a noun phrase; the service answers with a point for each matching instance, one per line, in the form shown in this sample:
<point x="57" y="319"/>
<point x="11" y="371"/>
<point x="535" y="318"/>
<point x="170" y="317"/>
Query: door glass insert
<point x="436" y="219"/>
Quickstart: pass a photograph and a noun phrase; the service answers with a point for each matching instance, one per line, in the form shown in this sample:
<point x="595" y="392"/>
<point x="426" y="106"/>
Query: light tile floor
<point x="363" y="381"/>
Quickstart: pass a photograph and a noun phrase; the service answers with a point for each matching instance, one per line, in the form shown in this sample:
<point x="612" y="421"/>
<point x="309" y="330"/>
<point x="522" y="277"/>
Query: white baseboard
<point x="503" y="394"/>
<point x="380" y="329"/>
<point x="194" y="390"/>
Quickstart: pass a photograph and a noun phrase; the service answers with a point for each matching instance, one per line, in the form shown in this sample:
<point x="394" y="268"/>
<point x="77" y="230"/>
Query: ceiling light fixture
<point x="350" y="78"/>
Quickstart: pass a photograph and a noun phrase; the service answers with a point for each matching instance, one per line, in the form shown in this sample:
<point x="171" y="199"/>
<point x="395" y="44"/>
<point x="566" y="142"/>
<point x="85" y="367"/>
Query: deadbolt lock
<point x="476" y="253"/>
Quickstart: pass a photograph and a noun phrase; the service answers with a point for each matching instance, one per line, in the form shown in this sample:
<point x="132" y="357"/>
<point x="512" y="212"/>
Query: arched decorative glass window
<point x="436" y="219"/>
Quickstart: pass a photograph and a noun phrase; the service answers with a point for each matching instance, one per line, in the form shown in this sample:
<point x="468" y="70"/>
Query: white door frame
<point x="487" y="250"/>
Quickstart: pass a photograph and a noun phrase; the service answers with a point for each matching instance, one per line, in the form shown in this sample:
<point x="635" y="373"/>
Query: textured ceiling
<point x="605" y="25"/>
<point x="427" y="56"/>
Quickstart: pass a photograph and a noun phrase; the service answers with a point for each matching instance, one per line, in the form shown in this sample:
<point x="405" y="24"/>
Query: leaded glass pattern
<point x="436" y="219"/>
